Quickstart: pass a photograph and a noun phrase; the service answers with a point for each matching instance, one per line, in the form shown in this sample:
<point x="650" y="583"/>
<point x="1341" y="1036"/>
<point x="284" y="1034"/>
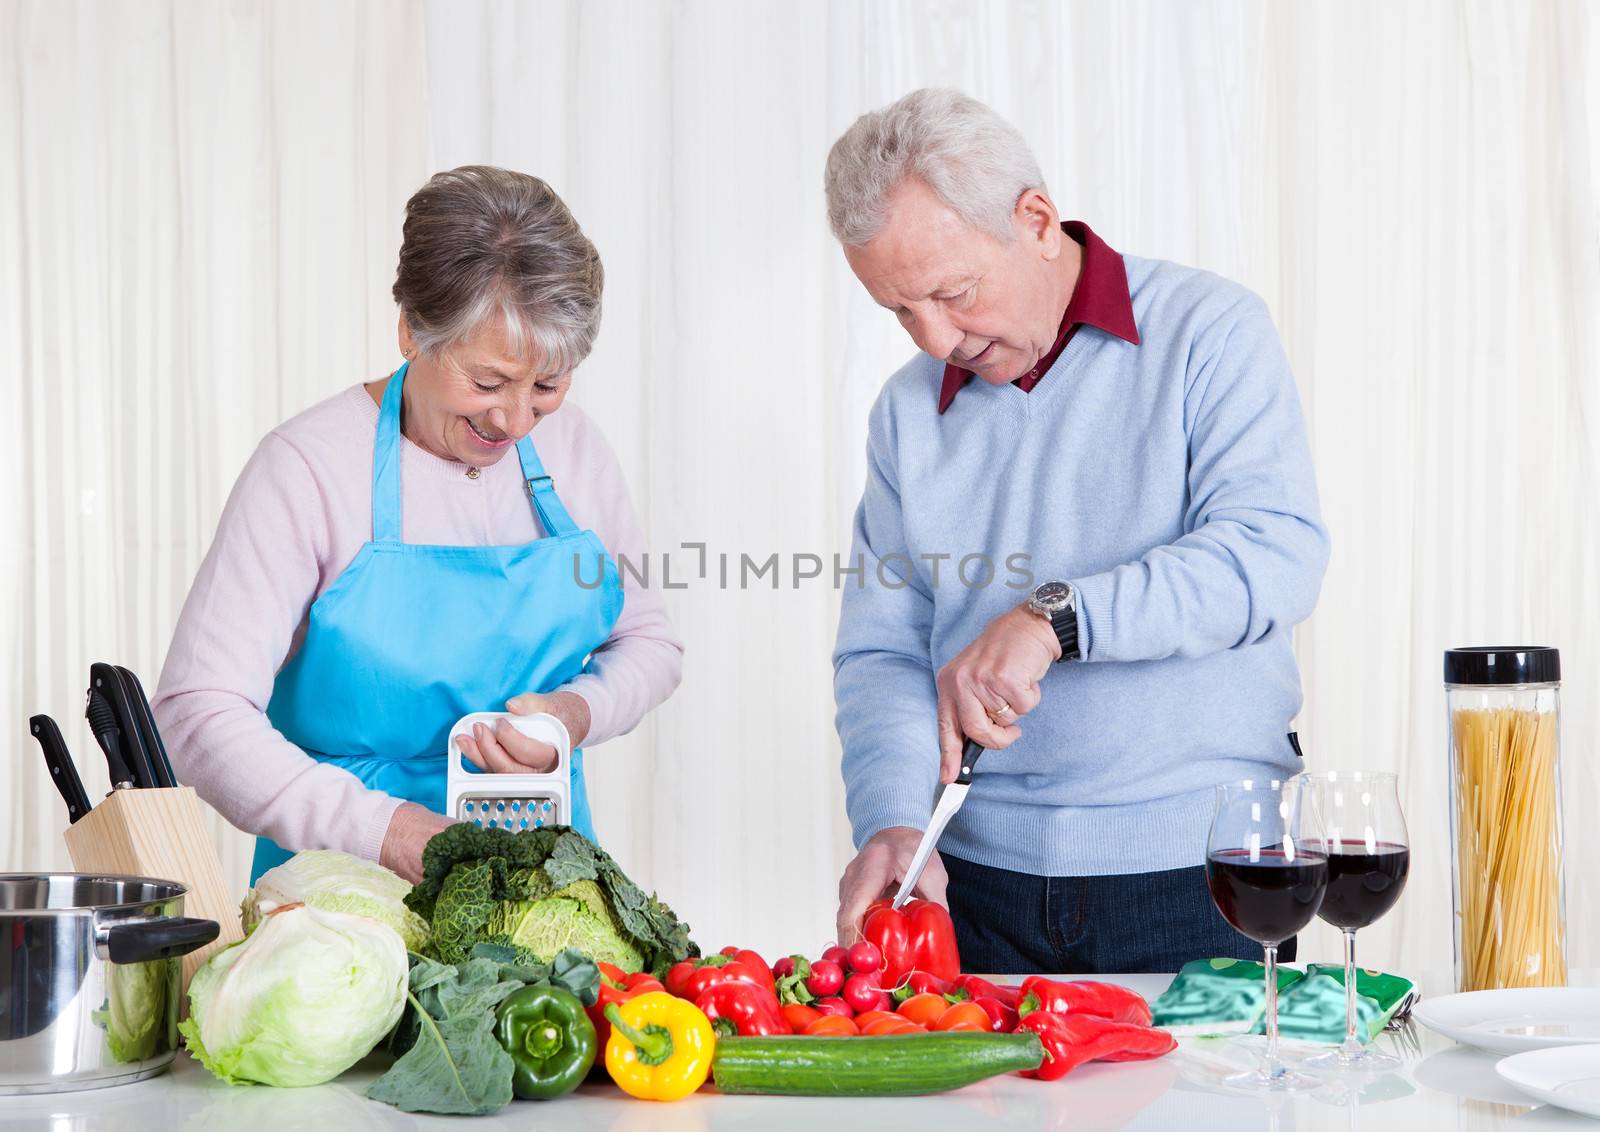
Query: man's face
<point x="990" y="307"/>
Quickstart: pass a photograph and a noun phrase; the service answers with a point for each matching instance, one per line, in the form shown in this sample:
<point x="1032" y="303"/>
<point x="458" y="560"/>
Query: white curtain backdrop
<point x="200" y="224"/>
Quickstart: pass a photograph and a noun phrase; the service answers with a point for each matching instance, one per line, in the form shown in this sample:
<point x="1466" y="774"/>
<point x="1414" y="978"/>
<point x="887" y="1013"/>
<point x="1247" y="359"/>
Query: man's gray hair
<point x="483" y="243"/>
<point x="974" y="160"/>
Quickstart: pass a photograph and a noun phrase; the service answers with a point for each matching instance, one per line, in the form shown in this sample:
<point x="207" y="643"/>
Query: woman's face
<point x="475" y="400"/>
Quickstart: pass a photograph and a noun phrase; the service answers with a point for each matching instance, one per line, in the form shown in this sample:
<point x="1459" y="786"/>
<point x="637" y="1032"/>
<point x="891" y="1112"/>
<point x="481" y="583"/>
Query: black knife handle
<point x="103" y="723"/>
<point x="971" y="750"/>
<point x="62" y="771"/>
<point x="155" y="747"/>
<point x="103" y="678"/>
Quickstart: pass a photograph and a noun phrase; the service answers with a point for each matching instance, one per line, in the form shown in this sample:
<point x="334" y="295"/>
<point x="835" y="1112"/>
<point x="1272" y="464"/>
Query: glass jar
<point x="1505" y="817"/>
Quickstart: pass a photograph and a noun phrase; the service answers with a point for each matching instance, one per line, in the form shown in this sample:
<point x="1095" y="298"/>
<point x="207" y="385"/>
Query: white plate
<point x="1568" y="1078"/>
<point x="1512" y="1021"/>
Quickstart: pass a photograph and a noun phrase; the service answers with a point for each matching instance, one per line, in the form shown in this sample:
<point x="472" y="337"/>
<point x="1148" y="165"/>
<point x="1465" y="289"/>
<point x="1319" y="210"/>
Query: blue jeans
<point x="1018" y="923"/>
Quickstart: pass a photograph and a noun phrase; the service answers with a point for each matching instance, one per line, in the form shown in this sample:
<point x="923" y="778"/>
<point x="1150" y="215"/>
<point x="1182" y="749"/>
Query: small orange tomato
<point x="799" y="1016"/>
<point x="924" y="1008"/>
<point x="893" y="1025"/>
<point x="832" y="1026"/>
<point x="868" y="1017"/>
<point x="967" y="1016"/>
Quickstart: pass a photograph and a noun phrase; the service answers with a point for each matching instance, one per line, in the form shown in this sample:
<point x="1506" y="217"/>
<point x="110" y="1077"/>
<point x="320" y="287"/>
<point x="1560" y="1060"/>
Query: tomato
<point x="893" y="1024"/>
<point x="867" y="1018"/>
<point x="832" y="1026"/>
<point x="964" y="1016"/>
<point x="799" y="1016"/>
<point x="924" y="1008"/>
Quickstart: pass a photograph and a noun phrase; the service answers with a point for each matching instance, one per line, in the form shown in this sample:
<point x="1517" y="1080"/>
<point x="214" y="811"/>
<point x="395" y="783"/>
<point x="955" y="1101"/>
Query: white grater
<point x="510" y="801"/>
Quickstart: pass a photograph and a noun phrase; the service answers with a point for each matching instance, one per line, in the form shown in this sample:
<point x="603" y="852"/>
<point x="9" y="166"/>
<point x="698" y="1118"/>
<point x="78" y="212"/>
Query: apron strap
<point x="542" y="489"/>
<point x="386" y="463"/>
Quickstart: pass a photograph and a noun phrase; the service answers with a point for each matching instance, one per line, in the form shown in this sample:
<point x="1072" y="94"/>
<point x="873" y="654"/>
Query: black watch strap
<point x="1065" y="623"/>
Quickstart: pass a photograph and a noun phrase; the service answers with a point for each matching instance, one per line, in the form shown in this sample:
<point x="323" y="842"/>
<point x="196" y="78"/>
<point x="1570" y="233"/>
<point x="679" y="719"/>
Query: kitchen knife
<point x="950" y="801"/>
<point x="103" y="722"/>
<point x="145" y="720"/>
<point x="62" y="772"/>
<point x="104" y="681"/>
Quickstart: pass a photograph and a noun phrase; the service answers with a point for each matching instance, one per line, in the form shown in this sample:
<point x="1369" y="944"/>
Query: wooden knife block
<point x="160" y="834"/>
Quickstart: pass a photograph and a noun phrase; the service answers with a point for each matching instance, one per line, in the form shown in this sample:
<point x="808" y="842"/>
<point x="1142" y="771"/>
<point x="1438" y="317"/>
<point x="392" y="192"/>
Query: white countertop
<point x="1440" y="1085"/>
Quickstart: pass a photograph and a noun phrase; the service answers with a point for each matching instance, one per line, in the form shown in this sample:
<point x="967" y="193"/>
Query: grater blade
<point x="512" y="802"/>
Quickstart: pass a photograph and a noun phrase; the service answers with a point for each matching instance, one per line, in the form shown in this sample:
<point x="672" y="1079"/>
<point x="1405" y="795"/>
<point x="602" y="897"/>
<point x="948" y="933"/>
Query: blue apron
<point x="411" y="638"/>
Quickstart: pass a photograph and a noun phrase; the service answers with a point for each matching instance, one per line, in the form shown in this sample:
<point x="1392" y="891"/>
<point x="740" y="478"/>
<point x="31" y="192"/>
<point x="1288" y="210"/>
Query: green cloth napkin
<point x="1228" y="996"/>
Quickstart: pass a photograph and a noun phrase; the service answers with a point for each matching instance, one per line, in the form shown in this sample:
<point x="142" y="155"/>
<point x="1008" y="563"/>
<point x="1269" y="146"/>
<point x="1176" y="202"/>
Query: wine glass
<point x="1267" y="868"/>
<point x="1369" y="856"/>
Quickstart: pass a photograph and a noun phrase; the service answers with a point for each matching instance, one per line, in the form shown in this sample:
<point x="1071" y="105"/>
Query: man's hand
<point x="505" y="750"/>
<point x="411" y="828"/>
<point x="992" y="683"/>
<point x="877" y="871"/>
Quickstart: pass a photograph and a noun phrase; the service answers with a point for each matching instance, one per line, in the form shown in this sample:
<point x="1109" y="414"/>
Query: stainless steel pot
<point x="89" y="978"/>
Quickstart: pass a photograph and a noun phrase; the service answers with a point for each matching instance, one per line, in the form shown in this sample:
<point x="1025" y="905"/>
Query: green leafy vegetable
<point x="450" y="1060"/>
<point x="336" y="882"/>
<point x="303" y="997"/>
<point x="539" y="892"/>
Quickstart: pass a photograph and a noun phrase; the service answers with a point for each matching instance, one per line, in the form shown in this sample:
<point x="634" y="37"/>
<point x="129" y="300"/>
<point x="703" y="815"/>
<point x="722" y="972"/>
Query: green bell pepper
<point x="550" y="1039"/>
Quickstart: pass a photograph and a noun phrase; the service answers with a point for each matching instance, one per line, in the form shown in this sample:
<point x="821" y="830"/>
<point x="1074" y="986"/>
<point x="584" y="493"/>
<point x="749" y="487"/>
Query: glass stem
<point x="1352" y="1044"/>
<point x="1272" y="1067"/>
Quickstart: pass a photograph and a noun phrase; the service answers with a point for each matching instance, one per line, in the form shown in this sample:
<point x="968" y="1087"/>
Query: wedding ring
<point x="1003" y="710"/>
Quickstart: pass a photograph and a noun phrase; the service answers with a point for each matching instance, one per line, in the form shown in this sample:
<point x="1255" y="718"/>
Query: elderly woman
<point x="381" y="569"/>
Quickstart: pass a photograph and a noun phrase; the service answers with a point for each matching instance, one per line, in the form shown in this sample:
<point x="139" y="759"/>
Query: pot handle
<point x="164" y="938"/>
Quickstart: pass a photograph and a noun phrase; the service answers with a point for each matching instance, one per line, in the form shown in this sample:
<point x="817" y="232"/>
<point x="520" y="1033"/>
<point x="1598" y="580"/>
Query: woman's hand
<point x="411" y="828"/>
<point x="505" y="750"/>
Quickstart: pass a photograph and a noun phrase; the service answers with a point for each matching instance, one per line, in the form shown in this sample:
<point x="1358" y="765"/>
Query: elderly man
<point x="1134" y="440"/>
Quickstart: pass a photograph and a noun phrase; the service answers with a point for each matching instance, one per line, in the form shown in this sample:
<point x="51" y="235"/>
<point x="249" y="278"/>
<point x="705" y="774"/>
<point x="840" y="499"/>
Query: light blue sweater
<point x="1172" y="484"/>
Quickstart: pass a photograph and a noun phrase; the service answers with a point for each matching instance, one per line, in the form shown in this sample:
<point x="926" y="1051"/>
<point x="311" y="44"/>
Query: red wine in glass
<point x="1369" y="857"/>
<point x="1267" y="868"/>
<point x="1363" y="882"/>
<point x="1265" y="894"/>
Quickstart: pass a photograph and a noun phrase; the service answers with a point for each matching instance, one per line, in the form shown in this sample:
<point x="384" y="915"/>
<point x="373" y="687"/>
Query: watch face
<point x="1052" y="596"/>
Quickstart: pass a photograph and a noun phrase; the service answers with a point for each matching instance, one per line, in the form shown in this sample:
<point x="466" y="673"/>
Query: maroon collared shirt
<point x="1099" y="299"/>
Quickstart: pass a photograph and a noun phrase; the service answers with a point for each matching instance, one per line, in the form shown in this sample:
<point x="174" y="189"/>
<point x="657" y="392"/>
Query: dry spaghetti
<point x="1508" y="865"/>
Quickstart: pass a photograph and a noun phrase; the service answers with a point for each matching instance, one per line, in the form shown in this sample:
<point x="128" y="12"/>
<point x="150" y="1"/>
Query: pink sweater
<point x="298" y="514"/>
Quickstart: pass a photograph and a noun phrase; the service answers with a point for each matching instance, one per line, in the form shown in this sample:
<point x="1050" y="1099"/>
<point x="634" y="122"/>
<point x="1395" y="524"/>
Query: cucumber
<point x="905" y="1065"/>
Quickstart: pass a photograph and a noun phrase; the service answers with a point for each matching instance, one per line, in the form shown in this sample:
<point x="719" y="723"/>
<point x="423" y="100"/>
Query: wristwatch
<point x="1057" y="603"/>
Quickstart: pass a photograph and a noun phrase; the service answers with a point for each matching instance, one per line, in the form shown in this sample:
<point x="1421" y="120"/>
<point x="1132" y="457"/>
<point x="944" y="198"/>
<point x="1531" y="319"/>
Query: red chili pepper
<point x="921" y="982"/>
<point x="1071" y="1039"/>
<point x="1103" y="1000"/>
<point x="693" y="977"/>
<point x="617" y="985"/>
<point x="754" y="961"/>
<point x="1002" y="1018"/>
<point x="971" y="986"/>
<point x="739" y="1009"/>
<point x="919" y="937"/>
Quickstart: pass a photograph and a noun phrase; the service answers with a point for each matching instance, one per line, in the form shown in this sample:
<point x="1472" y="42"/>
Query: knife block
<point x="160" y="834"/>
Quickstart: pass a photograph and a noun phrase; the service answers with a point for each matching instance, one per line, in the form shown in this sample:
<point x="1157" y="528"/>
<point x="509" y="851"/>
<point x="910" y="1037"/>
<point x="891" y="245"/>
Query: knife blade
<point x="950" y="801"/>
<point x="145" y="720"/>
<point x="62" y="771"/>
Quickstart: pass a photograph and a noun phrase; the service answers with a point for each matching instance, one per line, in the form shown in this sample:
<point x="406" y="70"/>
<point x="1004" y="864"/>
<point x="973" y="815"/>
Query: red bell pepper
<point x="1103" y="1000"/>
<point x="754" y="961"/>
<point x="971" y="986"/>
<point x="693" y="977"/>
<point x="919" y="937"/>
<point x="616" y="985"/>
<point x="739" y="1009"/>
<point x="1071" y="1039"/>
<point x="1002" y="1018"/>
<point x="921" y="982"/>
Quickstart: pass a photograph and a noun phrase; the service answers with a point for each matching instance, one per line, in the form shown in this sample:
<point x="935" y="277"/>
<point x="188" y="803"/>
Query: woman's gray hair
<point x="483" y="243"/>
<point x="974" y="160"/>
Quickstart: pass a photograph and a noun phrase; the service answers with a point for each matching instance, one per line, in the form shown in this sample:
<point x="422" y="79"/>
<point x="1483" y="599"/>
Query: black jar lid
<point x="1503" y="664"/>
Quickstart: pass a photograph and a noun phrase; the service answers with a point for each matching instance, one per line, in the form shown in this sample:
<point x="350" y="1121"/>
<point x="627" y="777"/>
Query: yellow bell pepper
<point x="660" y="1047"/>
